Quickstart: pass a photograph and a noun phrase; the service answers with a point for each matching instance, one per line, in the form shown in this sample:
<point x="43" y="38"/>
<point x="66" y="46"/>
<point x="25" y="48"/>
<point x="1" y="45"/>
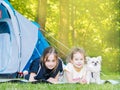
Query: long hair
<point x="47" y="52"/>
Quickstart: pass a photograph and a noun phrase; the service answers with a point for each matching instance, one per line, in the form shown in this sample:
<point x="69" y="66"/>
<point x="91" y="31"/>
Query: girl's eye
<point x="50" y="60"/>
<point x="53" y="60"/>
<point x="47" y="60"/>
<point x="76" y="59"/>
<point x="81" y="59"/>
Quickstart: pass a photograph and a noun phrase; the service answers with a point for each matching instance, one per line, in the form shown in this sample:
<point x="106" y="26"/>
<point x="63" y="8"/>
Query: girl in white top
<point x="75" y="70"/>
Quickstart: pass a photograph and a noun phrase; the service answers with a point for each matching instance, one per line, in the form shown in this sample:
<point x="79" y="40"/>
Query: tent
<point x="20" y="40"/>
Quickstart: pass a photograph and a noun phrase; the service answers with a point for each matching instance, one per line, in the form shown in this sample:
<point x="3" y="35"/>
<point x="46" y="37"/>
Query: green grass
<point x="115" y="76"/>
<point x="28" y="86"/>
<point x="17" y="86"/>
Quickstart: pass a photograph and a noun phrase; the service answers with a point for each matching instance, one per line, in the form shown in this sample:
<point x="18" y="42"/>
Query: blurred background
<point x="91" y="24"/>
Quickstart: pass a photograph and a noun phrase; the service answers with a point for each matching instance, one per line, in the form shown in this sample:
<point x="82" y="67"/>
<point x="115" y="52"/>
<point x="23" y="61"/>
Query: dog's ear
<point x="99" y="58"/>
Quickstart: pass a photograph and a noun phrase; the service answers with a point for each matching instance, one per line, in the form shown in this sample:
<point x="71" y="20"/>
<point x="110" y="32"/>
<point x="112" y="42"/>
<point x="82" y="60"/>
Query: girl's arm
<point x="83" y="80"/>
<point x="69" y="77"/>
<point x="54" y="80"/>
<point x="31" y="78"/>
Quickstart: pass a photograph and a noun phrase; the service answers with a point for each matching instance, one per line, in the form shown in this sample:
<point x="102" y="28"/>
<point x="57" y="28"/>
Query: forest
<point x="91" y="24"/>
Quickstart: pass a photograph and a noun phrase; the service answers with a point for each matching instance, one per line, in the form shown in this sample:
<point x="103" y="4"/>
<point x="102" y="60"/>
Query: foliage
<point x="28" y="8"/>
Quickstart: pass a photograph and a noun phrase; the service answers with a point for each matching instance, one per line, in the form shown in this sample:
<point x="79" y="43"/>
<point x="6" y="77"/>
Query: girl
<point x="47" y="67"/>
<point x="75" y="70"/>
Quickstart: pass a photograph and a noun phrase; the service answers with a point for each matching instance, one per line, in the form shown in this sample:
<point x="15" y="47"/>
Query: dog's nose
<point x="95" y="64"/>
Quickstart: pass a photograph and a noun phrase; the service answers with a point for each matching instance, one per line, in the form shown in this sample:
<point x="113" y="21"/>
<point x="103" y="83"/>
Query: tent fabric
<point x="4" y="50"/>
<point x="28" y="38"/>
<point x="20" y="40"/>
<point x="39" y="48"/>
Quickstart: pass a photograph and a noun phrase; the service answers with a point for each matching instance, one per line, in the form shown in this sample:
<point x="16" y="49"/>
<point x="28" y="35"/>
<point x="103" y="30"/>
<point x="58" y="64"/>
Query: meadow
<point x="17" y="86"/>
<point x="43" y="86"/>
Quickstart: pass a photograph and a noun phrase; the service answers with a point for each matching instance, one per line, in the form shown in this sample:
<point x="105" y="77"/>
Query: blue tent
<point x="21" y="41"/>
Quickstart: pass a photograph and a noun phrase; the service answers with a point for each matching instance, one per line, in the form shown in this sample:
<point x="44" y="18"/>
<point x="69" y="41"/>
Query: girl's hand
<point x="52" y="80"/>
<point x="83" y="81"/>
<point x="31" y="78"/>
<point x="76" y="80"/>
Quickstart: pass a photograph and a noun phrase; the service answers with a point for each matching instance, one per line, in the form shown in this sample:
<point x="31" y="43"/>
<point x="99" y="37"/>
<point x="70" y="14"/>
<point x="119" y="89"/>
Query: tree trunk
<point x="64" y="25"/>
<point x="72" y="15"/>
<point x="42" y="12"/>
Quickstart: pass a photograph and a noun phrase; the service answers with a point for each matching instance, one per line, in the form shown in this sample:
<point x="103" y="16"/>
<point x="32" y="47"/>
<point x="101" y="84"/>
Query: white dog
<point x="93" y="69"/>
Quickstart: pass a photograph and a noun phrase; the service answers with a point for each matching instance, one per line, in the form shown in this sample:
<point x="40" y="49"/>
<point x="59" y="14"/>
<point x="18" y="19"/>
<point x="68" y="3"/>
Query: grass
<point x="114" y="76"/>
<point x="28" y="86"/>
<point x="17" y="86"/>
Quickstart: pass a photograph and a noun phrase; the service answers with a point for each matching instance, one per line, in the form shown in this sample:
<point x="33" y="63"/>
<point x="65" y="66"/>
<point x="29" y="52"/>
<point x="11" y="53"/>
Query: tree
<point x="42" y="12"/>
<point x="64" y="24"/>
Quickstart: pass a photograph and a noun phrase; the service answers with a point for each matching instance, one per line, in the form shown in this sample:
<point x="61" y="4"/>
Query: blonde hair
<point x="73" y="51"/>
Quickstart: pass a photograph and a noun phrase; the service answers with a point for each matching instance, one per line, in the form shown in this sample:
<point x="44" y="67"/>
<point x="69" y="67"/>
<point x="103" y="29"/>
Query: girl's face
<point x="51" y="62"/>
<point x="78" y="60"/>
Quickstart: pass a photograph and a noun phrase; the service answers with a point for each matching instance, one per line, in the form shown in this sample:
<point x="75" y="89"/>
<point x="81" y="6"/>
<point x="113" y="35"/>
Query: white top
<point x="75" y="74"/>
